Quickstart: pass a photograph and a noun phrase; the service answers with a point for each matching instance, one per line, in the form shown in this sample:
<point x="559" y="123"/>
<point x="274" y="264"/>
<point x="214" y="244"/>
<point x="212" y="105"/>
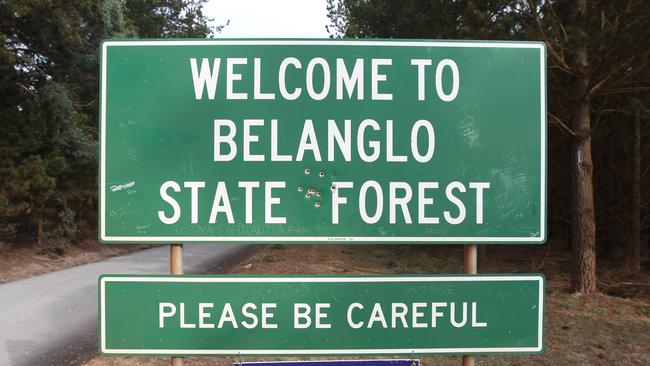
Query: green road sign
<point x="323" y="141"/>
<point x="221" y="315"/>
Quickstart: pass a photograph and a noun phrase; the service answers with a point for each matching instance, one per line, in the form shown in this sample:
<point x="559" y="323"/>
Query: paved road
<point x="51" y="319"/>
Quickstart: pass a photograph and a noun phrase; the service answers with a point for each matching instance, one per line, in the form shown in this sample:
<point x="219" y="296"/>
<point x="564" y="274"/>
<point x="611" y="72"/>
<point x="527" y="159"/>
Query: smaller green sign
<point x="324" y="315"/>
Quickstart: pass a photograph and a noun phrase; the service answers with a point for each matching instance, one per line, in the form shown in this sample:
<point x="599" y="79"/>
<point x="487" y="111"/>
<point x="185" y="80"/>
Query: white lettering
<point x="376" y="77"/>
<point x="421" y="79"/>
<point x="205" y="78"/>
<point x="162" y="314"/>
<point x="257" y="82"/>
<point x="343" y="78"/>
<point x="455" y="80"/>
<point x="269" y="201"/>
<point x="221" y="203"/>
<point x="172" y="202"/>
<point x="282" y="79"/>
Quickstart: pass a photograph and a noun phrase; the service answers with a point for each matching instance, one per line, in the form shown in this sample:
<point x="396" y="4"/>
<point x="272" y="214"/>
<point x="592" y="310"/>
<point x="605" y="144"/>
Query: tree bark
<point x="39" y="229"/>
<point x="633" y="252"/>
<point x="583" y="221"/>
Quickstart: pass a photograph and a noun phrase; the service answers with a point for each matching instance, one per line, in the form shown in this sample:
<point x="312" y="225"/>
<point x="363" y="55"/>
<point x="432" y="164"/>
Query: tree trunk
<point x="39" y="230"/>
<point x="583" y="220"/>
<point x="633" y="252"/>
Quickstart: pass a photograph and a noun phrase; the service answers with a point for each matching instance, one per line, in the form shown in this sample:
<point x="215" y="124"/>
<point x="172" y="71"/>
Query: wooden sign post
<point x="470" y="265"/>
<point x="176" y="268"/>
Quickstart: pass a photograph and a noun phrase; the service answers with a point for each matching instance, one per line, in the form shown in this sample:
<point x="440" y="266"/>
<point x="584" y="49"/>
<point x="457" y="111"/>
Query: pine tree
<point x="595" y="49"/>
<point x="49" y="86"/>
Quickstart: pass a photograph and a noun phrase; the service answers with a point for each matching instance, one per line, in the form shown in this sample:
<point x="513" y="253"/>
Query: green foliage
<point x="168" y="18"/>
<point x="428" y="19"/>
<point x="49" y="62"/>
<point x="617" y="37"/>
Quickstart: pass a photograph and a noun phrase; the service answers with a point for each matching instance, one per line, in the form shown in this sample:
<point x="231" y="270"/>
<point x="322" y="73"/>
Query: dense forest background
<point x="598" y="102"/>
<point x="49" y="87"/>
<point x="598" y="92"/>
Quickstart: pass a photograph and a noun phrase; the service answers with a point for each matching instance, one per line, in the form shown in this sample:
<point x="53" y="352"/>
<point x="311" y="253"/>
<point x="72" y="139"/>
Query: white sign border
<point x="535" y="238"/>
<point x="288" y="352"/>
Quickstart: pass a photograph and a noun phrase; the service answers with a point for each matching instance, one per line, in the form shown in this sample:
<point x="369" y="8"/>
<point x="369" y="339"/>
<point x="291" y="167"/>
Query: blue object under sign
<point x="389" y="362"/>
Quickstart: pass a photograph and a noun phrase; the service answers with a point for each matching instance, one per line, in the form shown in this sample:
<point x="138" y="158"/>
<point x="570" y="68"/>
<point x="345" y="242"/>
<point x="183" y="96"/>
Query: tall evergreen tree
<point x="49" y="86"/>
<point x="595" y="48"/>
<point x="600" y="47"/>
<point x="168" y="18"/>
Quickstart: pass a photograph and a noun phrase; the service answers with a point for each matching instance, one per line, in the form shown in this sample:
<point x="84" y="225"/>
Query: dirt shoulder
<point x="579" y="330"/>
<point x="29" y="260"/>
